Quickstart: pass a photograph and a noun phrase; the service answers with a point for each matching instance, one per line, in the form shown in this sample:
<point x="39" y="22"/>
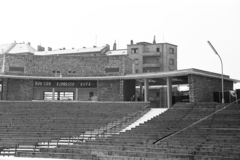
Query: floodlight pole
<point x="222" y="68"/>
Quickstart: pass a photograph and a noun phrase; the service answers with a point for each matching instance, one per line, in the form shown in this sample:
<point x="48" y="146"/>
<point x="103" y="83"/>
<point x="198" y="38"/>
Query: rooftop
<point x="16" y="48"/>
<point x="70" y="51"/>
<point x="117" y="52"/>
<point x="176" y="73"/>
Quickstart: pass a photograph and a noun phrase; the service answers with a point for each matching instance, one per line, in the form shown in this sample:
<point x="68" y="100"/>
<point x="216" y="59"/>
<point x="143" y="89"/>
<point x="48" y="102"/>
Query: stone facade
<point x="67" y="66"/>
<point x="17" y="89"/>
<point x="22" y="89"/>
<point x="1" y="62"/>
<point x="110" y="90"/>
<point x="128" y="64"/>
<point x="201" y="88"/>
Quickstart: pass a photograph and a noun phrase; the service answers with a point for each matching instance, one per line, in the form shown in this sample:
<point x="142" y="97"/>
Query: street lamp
<point x="222" y="68"/>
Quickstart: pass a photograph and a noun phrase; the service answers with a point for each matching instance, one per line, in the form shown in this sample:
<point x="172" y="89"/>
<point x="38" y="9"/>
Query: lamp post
<point x="222" y="68"/>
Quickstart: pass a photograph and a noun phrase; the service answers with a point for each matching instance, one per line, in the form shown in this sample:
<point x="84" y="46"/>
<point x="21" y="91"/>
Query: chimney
<point x="49" y="49"/>
<point x="40" y="48"/>
<point x="154" y="41"/>
<point x="29" y="43"/>
<point x="131" y="42"/>
<point x="115" y="45"/>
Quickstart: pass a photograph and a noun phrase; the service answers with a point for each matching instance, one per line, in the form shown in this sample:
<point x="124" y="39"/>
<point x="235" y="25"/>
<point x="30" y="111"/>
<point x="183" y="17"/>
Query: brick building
<point x="57" y="75"/>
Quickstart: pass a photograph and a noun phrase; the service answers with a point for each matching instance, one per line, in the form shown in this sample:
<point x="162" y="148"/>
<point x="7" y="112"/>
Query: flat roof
<point x="176" y="73"/>
<point x="69" y="51"/>
<point x="139" y="43"/>
<point x="116" y="52"/>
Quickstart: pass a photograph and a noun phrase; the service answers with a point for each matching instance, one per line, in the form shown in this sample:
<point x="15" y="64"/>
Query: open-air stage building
<point x="101" y="78"/>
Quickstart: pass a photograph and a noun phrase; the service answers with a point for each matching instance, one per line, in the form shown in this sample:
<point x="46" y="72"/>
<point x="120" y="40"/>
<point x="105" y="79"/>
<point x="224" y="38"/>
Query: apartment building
<point x="153" y="57"/>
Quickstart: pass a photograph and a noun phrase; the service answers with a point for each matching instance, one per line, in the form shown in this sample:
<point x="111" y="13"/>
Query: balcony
<point x="151" y="54"/>
<point x="151" y="65"/>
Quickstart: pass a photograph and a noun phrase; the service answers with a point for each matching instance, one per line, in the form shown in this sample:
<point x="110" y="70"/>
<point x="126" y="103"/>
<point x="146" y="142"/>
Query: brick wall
<point x="201" y="88"/>
<point x="68" y="66"/>
<point x="1" y="62"/>
<point x="128" y="64"/>
<point x="17" y="89"/>
<point x="110" y="90"/>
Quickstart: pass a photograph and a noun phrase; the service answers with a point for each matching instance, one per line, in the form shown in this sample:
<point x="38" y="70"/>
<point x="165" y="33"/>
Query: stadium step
<point x="102" y="133"/>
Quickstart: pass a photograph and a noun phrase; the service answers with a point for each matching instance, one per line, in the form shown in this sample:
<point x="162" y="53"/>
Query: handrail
<point x="193" y="124"/>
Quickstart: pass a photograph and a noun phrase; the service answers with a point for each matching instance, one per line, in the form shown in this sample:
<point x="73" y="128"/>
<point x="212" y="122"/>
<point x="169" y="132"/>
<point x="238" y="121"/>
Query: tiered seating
<point x="27" y="123"/>
<point x="185" y="131"/>
<point x="217" y="137"/>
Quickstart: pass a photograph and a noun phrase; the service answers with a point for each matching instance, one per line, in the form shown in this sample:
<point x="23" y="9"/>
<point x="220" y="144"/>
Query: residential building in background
<point x="153" y="57"/>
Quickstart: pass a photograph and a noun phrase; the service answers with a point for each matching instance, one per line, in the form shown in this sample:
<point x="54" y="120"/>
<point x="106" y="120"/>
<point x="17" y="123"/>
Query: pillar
<point x="53" y="93"/>
<point x="140" y="90"/>
<point x="146" y="90"/>
<point x="76" y="94"/>
<point x="169" y="92"/>
<point x="160" y="97"/>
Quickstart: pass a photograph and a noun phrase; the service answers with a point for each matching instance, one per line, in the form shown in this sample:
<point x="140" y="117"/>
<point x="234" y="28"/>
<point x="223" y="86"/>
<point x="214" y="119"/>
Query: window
<point x="16" y="69"/>
<point x="157" y="94"/>
<point x="171" y="61"/>
<point x="135" y="61"/>
<point x="151" y="60"/>
<point x="136" y="71"/>
<point x="53" y="71"/>
<point x="134" y="50"/>
<point x="171" y="51"/>
<point x="109" y="70"/>
<point x="91" y="94"/>
<point x="158" y="49"/>
<point x="151" y="69"/>
<point x="147" y="49"/>
<point x="58" y="95"/>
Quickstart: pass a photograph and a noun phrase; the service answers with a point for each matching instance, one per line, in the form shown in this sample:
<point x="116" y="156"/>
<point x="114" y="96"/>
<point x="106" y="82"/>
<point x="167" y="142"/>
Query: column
<point x="169" y="92"/>
<point x="76" y="94"/>
<point x="140" y="90"/>
<point x="146" y="90"/>
<point x="160" y="97"/>
<point x="53" y="93"/>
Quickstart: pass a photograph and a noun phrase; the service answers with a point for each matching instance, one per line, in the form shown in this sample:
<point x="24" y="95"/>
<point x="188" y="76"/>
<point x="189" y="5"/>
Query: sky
<point x="189" y="24"/>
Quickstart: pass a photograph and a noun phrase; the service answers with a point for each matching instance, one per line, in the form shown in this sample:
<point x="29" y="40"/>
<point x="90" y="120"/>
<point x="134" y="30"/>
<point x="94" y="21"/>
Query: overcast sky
<point x="189" y="24"/>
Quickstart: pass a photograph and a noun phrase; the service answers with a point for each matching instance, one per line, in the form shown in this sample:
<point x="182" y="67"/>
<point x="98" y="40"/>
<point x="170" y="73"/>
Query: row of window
<point x="171" y="61"/>
<point x="60" y="72"/>
<point x="136" y="50"/>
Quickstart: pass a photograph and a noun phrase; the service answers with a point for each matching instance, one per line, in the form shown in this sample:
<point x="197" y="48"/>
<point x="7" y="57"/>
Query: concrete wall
<point x="68" y="66"/>
<point x="201" y="88"/>
<point x="167" y="56"/>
